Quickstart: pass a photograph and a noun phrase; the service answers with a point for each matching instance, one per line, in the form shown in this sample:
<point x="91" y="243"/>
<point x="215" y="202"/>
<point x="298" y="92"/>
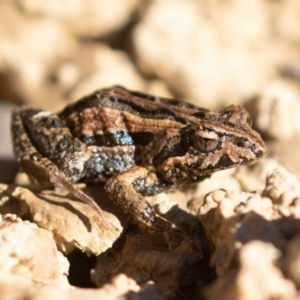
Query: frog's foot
<point x="60" y="178"/>
<point x="169" y="229"/>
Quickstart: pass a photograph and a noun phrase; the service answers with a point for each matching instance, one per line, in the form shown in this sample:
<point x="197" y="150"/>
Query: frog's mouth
<point x="227" y="156"/>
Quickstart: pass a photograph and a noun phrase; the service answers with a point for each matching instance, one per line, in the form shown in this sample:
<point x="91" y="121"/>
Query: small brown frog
<point x="138" y="144"/>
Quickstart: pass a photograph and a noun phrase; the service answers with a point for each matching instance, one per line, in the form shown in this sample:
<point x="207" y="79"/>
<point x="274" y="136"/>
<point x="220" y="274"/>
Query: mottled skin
<point x="138" y="144"/>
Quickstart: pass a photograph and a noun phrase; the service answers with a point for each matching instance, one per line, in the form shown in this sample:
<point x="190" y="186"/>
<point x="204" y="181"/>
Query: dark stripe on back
<point x="105" y="99"/>
<point x="164" y="100"/>
<point x="118" y="138"/>
<point x="168" y="101"/>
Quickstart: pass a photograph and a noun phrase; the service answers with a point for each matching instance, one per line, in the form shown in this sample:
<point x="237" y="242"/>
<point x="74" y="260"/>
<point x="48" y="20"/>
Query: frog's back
<point x="119" y="128"/>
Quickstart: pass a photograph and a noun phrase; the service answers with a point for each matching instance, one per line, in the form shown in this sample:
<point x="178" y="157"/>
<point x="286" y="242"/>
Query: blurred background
<point x="211" y="53"/>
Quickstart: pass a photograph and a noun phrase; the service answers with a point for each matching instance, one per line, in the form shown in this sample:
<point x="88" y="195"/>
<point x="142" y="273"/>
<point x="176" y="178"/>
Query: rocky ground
<point x="212" y="54"/>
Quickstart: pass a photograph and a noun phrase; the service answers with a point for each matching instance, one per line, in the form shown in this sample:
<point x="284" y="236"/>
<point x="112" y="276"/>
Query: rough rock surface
<point x="23" y="249"/>
<point x="72" y="223"/>
<point x="206" y="58"/>
<point x="254" y="236"/>
<point x="144" y="260"/>
<point x="120" y="288"/>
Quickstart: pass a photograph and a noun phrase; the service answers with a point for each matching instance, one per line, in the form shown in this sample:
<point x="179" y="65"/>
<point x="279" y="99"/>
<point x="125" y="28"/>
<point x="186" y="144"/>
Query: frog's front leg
<point x="126" y="191"/>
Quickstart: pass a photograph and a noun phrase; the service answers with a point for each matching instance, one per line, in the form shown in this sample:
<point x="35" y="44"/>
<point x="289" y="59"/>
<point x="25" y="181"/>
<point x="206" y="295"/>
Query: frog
<point x="136" y="144"/>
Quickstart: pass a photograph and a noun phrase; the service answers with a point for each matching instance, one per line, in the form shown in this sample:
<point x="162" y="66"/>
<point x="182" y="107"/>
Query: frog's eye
<point x="205" y="141"/>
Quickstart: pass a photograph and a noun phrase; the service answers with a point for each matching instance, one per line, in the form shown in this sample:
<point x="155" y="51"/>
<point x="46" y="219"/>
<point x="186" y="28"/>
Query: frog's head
<point x="220" y="141"/>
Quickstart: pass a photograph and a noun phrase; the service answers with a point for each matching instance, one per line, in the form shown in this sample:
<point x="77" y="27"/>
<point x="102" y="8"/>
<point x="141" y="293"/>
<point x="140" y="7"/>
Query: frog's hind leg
<point x="44" y="172"/>
<point x="41" y="169"/>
